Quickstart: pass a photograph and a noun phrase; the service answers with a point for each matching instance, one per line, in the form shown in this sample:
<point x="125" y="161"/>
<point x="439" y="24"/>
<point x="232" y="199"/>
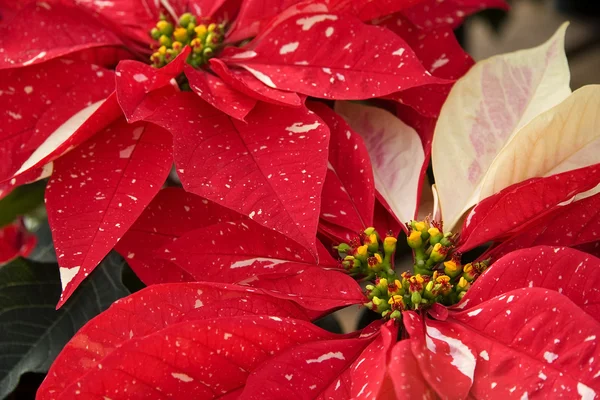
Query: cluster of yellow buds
<point x="430" y="245"/>
<point x="368" y="255"/>
<point x="204" y="39"/>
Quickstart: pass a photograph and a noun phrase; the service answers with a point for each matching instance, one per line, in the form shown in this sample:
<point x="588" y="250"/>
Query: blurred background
<point x="530" y="23"/>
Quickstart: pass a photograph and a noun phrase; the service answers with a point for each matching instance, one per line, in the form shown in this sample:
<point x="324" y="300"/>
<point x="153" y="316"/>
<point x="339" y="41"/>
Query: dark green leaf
<point x="20" y="201"/>
<point x="32" y="332"/>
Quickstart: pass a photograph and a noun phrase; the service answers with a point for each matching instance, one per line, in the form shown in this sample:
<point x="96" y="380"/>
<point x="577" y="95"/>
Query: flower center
<point x="438" y="275"/>
<point x="204" y="39"/>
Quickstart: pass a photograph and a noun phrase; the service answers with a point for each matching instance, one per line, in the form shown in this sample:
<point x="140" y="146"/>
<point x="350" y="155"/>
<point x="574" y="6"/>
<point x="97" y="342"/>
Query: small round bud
<point x="164" y="40"/>
<point x="181" y="35"/>
<point x="186" y="19"/>
<point x="414" y="239"/>
<point x="155" y="33"/>
<point x="165" y="28"/>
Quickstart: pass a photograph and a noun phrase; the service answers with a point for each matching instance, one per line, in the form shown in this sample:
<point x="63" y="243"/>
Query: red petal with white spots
<point x="167" y="312"/>
<point x="32" y="175"/>
<point x="508" y="210"/>
<point x="220" y="355"/>
<point x="405" y="376"/>
<point x="247" y="253"/>
<point x="43" y="105"/>
<point x="98" y="190"/>
<point x="570" y="272"/>
<point x="244" y="82"/>
<point x="348" y="197"/>
<point x="539" y="344"/>
<point x="440" y="53"/>
<point x="314" y="288"/>
<point x="296" y="55"/>
<point x="368" y="10"/>
<point x="68" y="136"/>
<point x="570" y="225"/>
<point x="317" y="370"/>
<point x="15" y="241"/>
<point x="142" y="88"/>
<point x="431" y="14"/>
<point x="256" y="14"/>
<point x="54" y="31"/>
<point x="438" y="50"/>
<point x="218" y="93"/>
<point x="236" y="251"/>
<point x="171" y="213"/>
<point x="445" y="361"/>
<point x="131" y="19"/>
<point x="271" y="168"/>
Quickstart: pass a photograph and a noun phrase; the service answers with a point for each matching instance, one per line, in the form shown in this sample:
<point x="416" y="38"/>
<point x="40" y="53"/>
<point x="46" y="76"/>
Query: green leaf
<point x="21" y="201"/>
<point x="32" y="332"/>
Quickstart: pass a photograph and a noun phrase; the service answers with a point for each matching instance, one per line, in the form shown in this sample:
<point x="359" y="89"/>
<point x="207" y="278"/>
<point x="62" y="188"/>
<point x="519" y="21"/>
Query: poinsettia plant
<point x="230" y="301"/>
<point x="291" y="207"/>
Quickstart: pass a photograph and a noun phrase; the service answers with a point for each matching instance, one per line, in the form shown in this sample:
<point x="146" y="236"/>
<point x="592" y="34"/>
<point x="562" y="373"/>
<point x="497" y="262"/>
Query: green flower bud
<point x="452" y="268"/>
<point x="186" y="19"/>
<point x="434" y="235"/>
<point x="414" y="239"/>
<point x="155" y="33"/>
<point x="164" y="40"/>
<point x="343" y="249"/>
<point x="415" y="298"/>
<point x="395" y="315"/>
<point x="165" y="28"/>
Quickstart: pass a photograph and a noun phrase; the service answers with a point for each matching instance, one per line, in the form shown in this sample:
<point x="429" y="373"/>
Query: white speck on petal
<point x="550" y="357"/>
<point x="440" y="62"/>
<point x="308" y="22"/>
<point x="28" y="89"/>
<point x="474" y="312"/>
<point x="399" y="52"/>
<point x="289" y="48"/>
<point x="329" y="31"/>
<point x="484" y="354"/>
<point x="299" y="127"/>
<point x="542" y="376"/>
<point x="586" y="392"/>
<point x="198" y="303"/>
<point x="587" y="339"/>
<point x="260" y="76"/>
<point x="182" y="377"/>
<point x="245" y="54"/>
<point x="327" y="356"/>
<point x="126" y="152"/>
<point x="140" y="78"/>
<point x="247" y="263"/>
<point x="30" y="61"/>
